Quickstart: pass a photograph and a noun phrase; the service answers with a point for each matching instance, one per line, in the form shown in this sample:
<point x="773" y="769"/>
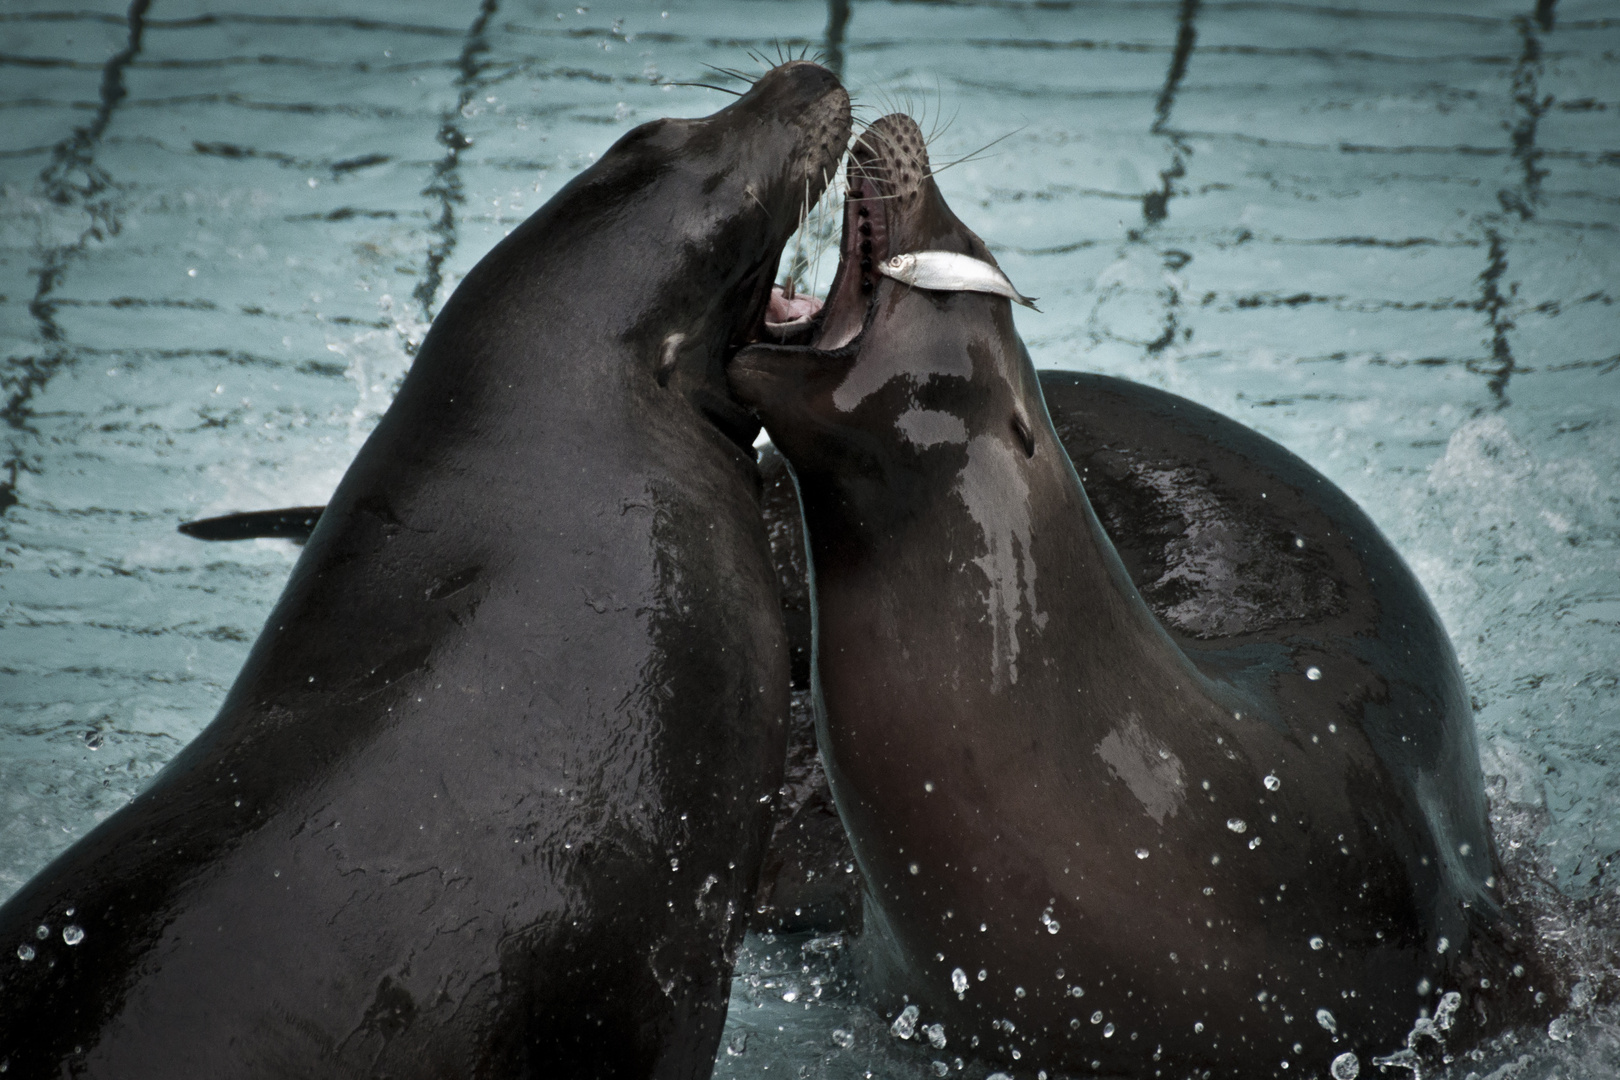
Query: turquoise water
<point x="1385" y="236"/>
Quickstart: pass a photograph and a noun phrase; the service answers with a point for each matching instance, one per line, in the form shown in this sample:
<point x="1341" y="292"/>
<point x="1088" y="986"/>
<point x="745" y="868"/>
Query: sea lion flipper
<point x="294" y="523"/>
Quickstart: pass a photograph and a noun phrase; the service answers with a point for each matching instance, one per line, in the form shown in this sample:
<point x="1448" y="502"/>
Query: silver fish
<point x="946" y="271"/>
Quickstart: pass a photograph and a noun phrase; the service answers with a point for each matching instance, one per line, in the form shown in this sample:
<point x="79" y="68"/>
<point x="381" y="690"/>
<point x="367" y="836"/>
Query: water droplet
<point x="941" y="1069"/>
<point x="1077" y="991"/>
<point x="1463" y="849"/>
<point x="1254" y="843"/>
<point x="913" y="868"/>
<point x="1314" y="674"/>
<point x="1199" y="1026"/>
<point x="1317" y="943"/>
<point x="72" y="934"/>
<point x="674" y="864"/>
<point x="842" y="1038"/>
<point x="737" y="1045"/>
<point x="1018" y="991"/>
<point x="936" y="1035"/>
<point x="791" y="994"/>
<point x="905" y="1025"/>
<point x="1096" y="1017"/>
<point x="1423" y="986"/>
<point x="1325" y="1018"/>
<point x="42" y="932"/>
<point x="1141" y="853"/>
<point x="1445" y="943"/>
<point x="1444" y="1012"/>
<point x="92" y="739"/>
<point x="1108" y="1031"/>
<point x="1559" y="1031"/>
<point x="25" y="952"/>
<point x="928" y="785"/>
<point x="959" y="981"/>
<point x="1271" y="782"/>
<point x="1237" y="825"/>
<point x="983" y="974"/>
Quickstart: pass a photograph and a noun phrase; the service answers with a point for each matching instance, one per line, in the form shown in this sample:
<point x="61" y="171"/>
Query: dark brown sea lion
<point x="1248" y="839"/>
<point x="489" y="797"/>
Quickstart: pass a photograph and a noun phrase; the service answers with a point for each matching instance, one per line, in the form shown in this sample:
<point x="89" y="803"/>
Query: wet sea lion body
<point x="490" y="794"/>
<point x="1243" y="841"/>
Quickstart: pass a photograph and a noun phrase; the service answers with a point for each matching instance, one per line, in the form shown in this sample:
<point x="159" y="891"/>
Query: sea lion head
<point x="661" y="253"/>
<point x="721" y="195"/>
<point x="898" y="379"/>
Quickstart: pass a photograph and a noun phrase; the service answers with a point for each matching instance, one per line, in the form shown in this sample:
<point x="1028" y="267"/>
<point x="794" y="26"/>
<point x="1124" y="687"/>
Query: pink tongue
<point x="783" y="310"/>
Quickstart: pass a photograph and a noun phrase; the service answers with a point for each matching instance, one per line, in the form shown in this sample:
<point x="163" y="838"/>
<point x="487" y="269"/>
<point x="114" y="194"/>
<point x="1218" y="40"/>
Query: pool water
<point x="1387" y="235"/>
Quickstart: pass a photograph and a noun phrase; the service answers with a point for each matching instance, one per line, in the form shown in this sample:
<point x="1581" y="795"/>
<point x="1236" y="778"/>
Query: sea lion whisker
<point x="741" y="76"/>
<point x="711" y="86"/>
<point x="975" y="155"/>
<point x="939" y="110"/>
<point x="940" y="129"/>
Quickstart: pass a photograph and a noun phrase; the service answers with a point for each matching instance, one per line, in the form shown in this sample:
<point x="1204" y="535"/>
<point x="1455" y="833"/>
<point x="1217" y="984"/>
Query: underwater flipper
<point x="294" y="523"/>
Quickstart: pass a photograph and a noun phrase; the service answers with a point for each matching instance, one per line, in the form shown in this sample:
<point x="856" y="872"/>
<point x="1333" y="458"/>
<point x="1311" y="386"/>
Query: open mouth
<point x="887" y="188"/>
<point x="795" y="318"/>
<point x="885" y="175"/>
<point x="790" y="315"/>
<point x="782" y="316"/>
<point x="865" y="245"/>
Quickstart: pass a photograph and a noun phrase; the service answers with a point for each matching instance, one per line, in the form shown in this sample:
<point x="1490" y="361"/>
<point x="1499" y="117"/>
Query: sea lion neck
<point x="977" y="532"/>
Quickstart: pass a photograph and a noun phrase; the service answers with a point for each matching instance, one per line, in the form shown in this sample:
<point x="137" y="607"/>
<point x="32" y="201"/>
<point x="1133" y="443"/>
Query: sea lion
<point x="807" y="879"/>
<point x="1244" y="841"/>
<point x="490" y="793"/>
